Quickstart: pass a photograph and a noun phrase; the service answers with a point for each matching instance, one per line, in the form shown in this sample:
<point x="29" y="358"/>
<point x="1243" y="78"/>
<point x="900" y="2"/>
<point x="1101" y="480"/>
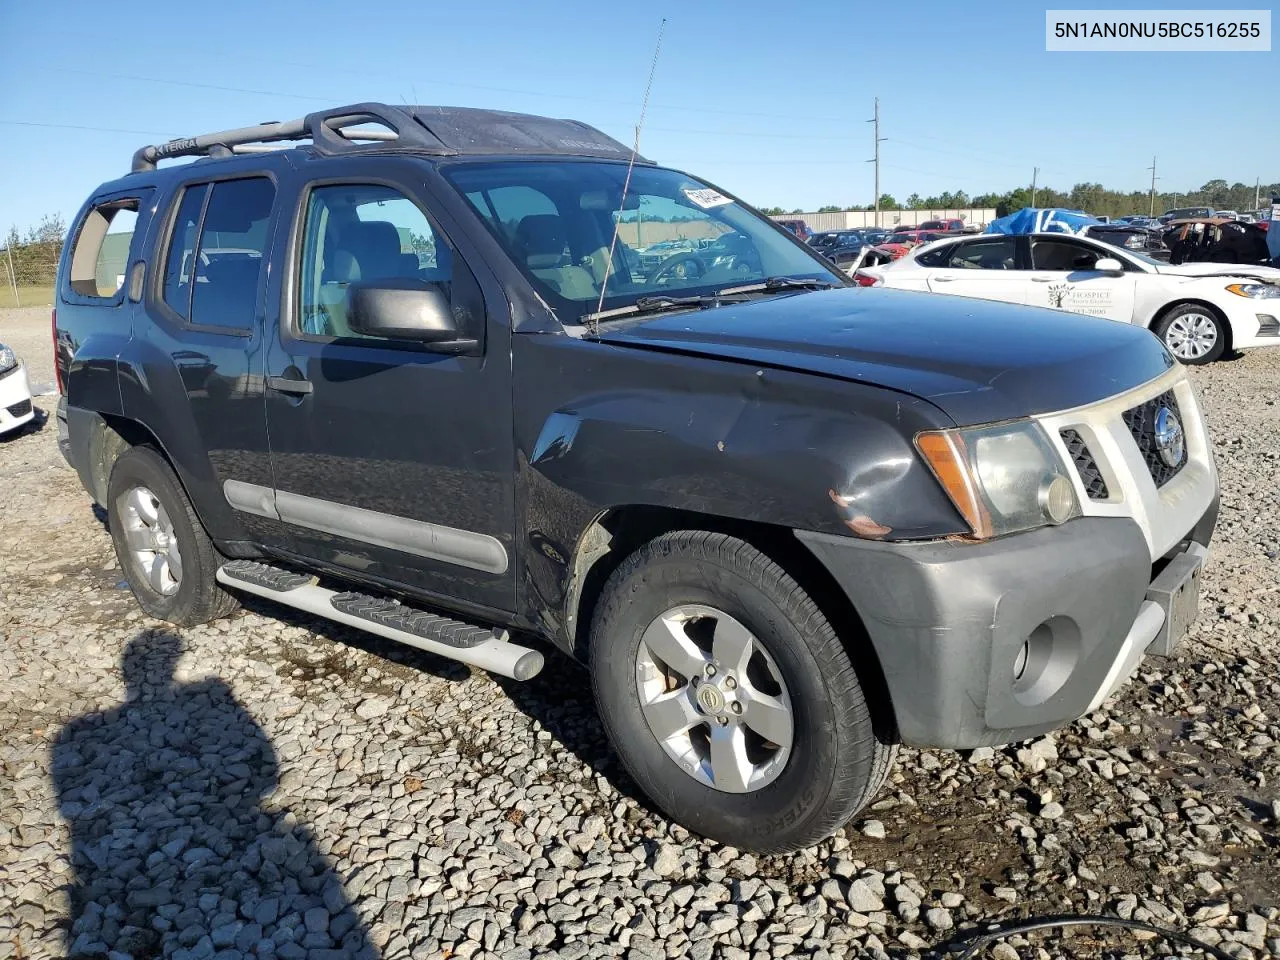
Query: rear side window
<point x="180" y="264"/>
<point x="989" y="253"/>
<point x="101" y="254"/>
<point x="216" y="250"/>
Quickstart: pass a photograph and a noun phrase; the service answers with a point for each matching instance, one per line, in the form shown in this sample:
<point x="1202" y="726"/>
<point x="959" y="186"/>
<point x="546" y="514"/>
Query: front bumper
<point x="16" y="407"/>
<point x="949" y="620"/>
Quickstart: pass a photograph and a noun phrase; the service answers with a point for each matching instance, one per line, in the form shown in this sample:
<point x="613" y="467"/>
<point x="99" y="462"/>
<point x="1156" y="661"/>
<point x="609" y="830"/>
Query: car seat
<point x="540" y="241"/>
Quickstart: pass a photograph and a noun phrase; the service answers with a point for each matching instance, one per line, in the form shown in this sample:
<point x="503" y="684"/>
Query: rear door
<point x="1063" y="277"/>
<point x="989" y="268"/>
<point x="391" y="461"/>
<point x="192" y="373"/>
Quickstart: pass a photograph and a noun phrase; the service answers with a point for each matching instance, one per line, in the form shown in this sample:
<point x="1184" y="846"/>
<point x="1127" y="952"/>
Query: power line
<point x="329" y="100"/>
<point x="77" y="126"/>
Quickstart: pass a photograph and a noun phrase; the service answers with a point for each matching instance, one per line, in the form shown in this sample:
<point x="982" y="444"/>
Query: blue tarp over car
<point x="1043" y="220"/>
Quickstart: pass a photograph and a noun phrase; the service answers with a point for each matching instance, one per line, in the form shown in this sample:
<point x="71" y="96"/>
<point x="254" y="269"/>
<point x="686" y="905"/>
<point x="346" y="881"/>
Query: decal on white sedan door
<point x="1077" y="299"/>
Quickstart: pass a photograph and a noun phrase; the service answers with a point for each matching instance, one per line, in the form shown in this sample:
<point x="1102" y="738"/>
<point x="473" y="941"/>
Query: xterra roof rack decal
<point x="442" y="131"/>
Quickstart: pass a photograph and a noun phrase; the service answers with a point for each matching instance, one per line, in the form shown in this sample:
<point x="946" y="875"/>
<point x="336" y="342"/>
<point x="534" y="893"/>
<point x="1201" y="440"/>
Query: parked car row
<point x="1198" y="310"/>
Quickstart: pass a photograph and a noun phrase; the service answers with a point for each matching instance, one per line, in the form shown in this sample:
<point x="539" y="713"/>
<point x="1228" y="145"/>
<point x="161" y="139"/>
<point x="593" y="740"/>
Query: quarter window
<point x="101" y="254"/>
<point x="363" y="234"/>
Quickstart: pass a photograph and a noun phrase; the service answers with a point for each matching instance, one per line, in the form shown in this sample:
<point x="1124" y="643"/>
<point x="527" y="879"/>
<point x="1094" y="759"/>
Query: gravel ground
<point x="274" y="785"/>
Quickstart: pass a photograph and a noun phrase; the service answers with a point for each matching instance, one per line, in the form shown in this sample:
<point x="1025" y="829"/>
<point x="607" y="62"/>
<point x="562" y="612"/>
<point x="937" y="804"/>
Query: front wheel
<point x="167" y="558"/>
<point x="729" y="697"/>
<point x="1192" y="333"/>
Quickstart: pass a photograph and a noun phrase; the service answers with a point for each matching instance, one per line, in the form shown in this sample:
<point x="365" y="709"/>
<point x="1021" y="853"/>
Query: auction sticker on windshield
<point x="708" y="198"/>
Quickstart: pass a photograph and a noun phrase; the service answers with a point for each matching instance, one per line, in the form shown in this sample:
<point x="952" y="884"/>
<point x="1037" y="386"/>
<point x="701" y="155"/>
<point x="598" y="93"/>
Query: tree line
<point x="1093" y="198"/>
<point x="34" y="254"/>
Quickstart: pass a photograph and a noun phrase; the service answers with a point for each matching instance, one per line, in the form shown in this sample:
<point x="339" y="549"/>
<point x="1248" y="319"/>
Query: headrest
<point x="541" y="238"/>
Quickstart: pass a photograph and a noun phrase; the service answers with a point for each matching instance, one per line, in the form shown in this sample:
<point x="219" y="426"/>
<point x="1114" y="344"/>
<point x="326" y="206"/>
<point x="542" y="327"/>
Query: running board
<point x="487" y="649"/>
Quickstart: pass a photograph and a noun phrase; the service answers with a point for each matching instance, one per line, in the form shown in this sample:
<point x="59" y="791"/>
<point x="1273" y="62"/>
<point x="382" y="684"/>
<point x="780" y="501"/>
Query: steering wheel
<point x="690" y="266"/>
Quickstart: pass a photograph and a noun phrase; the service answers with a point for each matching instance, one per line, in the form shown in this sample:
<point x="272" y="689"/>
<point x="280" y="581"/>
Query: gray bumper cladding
<point x="988" y="643"/>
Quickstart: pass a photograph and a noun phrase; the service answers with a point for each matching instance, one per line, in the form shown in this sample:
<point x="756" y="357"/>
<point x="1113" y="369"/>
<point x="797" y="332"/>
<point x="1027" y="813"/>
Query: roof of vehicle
<point x="379" y="127"/>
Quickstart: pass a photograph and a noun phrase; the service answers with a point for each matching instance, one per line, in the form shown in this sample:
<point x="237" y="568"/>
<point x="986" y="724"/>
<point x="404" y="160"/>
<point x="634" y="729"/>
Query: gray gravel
<point x="277" y="786"/>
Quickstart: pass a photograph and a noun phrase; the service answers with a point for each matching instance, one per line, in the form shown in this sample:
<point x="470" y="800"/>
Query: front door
<point x="1063" y="277"/>
<point x="985" y="267"/>
<point x="390" y="460"/>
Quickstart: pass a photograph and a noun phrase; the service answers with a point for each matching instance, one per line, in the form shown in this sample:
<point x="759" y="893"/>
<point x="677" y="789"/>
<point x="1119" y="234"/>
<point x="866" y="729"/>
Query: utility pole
<point x="1035" y="174"/>
<point x="1151" y="212"/>
<point x="1257" y="196"/>
<point x="876" y="139"/>
<point x="13" y="277"/>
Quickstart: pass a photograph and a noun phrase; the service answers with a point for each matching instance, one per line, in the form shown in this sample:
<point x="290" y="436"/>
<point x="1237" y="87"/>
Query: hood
<point x="1236" y="271"/>
<point x="977" y="360"/>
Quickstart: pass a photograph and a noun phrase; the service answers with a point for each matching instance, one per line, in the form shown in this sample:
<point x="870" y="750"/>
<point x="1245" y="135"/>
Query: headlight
<point x="1255" y="291"/>
<point x="1002" y="478"/>
<point x="1135" y="242"/>
<point x="7" y="359"/>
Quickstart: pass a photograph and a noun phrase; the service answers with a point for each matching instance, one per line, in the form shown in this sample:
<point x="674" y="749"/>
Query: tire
<point x="1176" y="331"/>
<point x="187" y="593"/>
<point x="835" y="762"/>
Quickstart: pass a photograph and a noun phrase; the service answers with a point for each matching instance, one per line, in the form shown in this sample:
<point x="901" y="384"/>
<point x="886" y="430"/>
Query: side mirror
<point x="401" y="309"/>
<point x="1109" y="265"/>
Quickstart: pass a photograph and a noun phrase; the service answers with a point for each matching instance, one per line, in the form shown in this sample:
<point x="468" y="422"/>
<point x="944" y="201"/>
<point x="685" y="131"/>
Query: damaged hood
<point x="1234" y="271"/>
<point x="977" y="360"/>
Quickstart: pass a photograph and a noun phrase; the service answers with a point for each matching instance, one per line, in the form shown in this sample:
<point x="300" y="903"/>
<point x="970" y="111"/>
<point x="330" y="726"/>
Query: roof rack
<point x="330" y="130"/>
<point x="444" y="131"/>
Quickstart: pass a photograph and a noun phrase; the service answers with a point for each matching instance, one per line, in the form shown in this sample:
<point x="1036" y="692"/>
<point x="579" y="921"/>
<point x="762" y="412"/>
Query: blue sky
<point x="766" y="99"/>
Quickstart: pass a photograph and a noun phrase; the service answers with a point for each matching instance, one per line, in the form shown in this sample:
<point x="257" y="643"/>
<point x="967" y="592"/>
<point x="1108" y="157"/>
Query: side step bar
<point x="490" y="650"/>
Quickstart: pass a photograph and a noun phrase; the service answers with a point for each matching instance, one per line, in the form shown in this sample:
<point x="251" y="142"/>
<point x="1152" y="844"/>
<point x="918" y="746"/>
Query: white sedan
<point x="15" y="392"/>
<point x="1199" y="310"/>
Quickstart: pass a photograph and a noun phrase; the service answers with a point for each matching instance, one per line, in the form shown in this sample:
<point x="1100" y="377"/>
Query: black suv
<point x="411" y="373"/>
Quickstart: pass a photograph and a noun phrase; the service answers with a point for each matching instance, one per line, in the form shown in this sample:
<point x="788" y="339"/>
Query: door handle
<point x="1042" y="279"/>
<point x="289" y="385"/>
<point x="944" y="279"/>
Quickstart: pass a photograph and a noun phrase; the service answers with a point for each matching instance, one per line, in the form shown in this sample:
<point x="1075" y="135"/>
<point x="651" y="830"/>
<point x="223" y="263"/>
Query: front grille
<point x="20" y="409"/>
<point x="1095" y="487"/>
<point x="1141" y="421"/>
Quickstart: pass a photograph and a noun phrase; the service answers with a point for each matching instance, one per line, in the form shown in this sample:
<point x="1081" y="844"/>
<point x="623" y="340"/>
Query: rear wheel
<point x="167" y="558"/>
<point x="729" y="697"/>
<point x="1193" y="333"/>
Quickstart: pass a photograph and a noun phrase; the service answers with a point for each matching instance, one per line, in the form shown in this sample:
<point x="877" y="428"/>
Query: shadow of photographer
<point x="173" y="851"/>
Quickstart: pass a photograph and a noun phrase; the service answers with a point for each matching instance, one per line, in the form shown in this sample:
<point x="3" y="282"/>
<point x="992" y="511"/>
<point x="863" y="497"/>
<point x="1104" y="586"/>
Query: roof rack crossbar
<point x="328" y="127"/>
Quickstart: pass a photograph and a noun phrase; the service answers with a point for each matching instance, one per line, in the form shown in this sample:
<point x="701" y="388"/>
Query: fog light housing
<point x="1268" y="326"/>
<point x="1045" y="661"/>
<point x="1058" y="499"/>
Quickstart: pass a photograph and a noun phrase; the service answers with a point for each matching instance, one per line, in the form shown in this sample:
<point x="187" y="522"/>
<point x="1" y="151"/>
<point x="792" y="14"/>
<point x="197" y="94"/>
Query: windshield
<point x="676" y="235"/>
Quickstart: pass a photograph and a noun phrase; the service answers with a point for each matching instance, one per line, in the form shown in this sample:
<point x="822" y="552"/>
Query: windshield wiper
<point x="780" y="283"/>
<point x="659" y="303"/>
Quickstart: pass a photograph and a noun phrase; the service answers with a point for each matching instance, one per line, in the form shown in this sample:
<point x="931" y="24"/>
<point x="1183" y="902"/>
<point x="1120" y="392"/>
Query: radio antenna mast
<point x="626" y="183"/>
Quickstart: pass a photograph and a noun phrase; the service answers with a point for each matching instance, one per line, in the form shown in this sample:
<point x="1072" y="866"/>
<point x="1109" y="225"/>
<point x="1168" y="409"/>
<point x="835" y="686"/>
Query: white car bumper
<point x="15" y="399"/>
<point x="1254" y="323"/>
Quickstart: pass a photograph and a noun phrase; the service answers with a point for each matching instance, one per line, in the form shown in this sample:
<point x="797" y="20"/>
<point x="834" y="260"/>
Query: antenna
<point x="626" y="183"/>
<point x="1152" y="209"/>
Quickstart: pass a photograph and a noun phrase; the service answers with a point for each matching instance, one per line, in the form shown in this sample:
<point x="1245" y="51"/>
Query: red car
<point x="798" y="227"/>
<point x="950" y="225"/>
<point x="900" y="241"/>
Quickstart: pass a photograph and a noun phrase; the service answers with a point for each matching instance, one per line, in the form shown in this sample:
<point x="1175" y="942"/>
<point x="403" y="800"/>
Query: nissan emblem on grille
<point x="1157" y="429"/>
<point x="1169" y="440"/>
